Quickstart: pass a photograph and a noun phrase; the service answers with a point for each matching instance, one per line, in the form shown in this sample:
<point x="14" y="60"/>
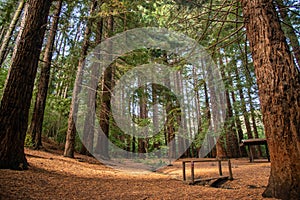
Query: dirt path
<point x="51" y="176"/>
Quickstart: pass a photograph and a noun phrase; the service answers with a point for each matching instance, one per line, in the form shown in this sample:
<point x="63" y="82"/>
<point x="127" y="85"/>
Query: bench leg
<point x="230" y="170"/>
<point x="183" y="171"/>
<point x="220" y="168"/>
<point x="250" y="153"/>
<point x="192" y="172"/>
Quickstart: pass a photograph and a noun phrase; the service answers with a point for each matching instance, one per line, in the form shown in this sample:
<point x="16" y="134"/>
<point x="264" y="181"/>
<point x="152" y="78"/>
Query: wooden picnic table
<point x="197" y="160"/>
<point x="256" y="141"/>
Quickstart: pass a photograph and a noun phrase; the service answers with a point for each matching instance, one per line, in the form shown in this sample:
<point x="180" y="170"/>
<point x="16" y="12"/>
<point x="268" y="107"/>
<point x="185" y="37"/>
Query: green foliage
<point x="3" y="75"/>
<point x="204" y="129"/>
<point x="7" y="8"/>
<point x="113" y="7"/>
<point x="28" y="141"/>
<point x="117" y="136"/>
<point x="56" y="118"/>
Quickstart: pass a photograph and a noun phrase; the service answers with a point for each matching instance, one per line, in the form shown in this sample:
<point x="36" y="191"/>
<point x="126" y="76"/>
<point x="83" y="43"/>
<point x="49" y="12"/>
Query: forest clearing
<point x="52" y="176"/>
<point x="95" y="93"/>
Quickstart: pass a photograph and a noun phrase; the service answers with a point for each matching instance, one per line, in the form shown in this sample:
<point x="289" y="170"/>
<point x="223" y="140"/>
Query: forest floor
<point x="52" y="176"/>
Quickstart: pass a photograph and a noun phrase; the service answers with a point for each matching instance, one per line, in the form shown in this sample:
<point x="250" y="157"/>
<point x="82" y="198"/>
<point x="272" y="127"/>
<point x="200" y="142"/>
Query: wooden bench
<point x="201" y="160"/>
<point x="256" y="141"/>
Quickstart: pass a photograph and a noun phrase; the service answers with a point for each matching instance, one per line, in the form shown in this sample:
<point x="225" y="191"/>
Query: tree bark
<point x="17" y="95"/>
<point x="170" y="129"/>
<point x="252" y="114"/>
<point x="243" y="105"/>
<point x="142" y="143"/>
<point x="102" y="143"/>
<point x="170" y="115"/>
<point x="191" y="149"/>
<point x="155" y="110"/>
<point x="232" y="146"/>
<point x="238" y="123"/>
<point x="89" y="124"/>
<point x="2" y="32"/>
<point x="216" y="114"/>
<point x="279" y="90"/>
<point x="207" y="113"/>
<point x="12" y="26"/>
<point x="244" y="110"/>
<point x="71" y="132"/>
<point x="290" y="32"/>
<point x="36" y="125"/>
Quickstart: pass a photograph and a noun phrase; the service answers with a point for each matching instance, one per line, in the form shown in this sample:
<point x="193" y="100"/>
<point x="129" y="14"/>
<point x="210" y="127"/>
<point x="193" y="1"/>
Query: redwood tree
<point x="36" y="125"/>
<point x="279" y="90"/>
<point x="105" y="106"/>
<point x="17" y="95"/>
<point x="71" y="132"/>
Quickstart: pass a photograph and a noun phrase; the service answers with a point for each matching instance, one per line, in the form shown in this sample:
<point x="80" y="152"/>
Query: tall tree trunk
<point x="232" y="146"/>
<point x="157" y="144"/>
<point x="89" y="124"/>
<point x="36" y="125"/>
<point x="290" y="32"/>
<point x="231" y="136"/>
<point x="242" y="149"/>
<point x="17" y="95"/>
<point x="238" y="123"/>
<point x="142" y="143"/>
<point x="279" y="89"/>
<point x="243" y="105"/>
<point x="12" y="26"/>
<point x="170" y="117"/>
<point x="71" y="132"/>
<point x="170" y="130"/>
<point x="252" y="114"/>
<point x="102" y="143"/>
<point x="22" y="25"/>
<point x="2" y="32"/>
<point x="244" y="110"/>
<point x="249" y="84"/>
<point x="181" y="119"/>
<point x="211" y="139"/>
<point x="216" y="115"/>
<point x="198" y="111"/>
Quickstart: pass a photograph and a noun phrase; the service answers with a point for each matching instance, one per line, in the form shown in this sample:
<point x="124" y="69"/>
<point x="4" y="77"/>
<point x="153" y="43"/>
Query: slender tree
<point x="232" y="146"/>
<point x="142" y="143"/>
<point x="253" y="119"/>
<point x="279" y="90"/>
<point x="216" y="114"/>
<point x="88" y="132"/>
<point x="71" y="132"/>
<point x="36" y="125"/>
<point x="102" y="143"/>
<point x="238" y="125"/>
<point x="17" y="95"/>
<point x="244" y="109"/>
<point x="207" y="117"/>
<point x="12" y="26"/>
<point x="2" y="33"/>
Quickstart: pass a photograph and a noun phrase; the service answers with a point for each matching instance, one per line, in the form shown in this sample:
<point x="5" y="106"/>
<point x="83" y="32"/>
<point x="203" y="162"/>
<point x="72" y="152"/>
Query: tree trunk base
<point x="267" y="193"/>
<point x="14" y="165"/>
